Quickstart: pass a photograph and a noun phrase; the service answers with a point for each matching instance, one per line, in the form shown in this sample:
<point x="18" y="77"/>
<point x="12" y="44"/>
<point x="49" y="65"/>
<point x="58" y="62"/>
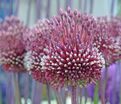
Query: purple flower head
<point x="36" y="42"/>
<point x="11" y="47"/>
<point x="107" y="40"/>
<point x="62" y="48"/>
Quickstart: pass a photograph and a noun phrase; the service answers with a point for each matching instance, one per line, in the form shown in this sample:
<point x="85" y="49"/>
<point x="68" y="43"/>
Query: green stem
<point x="96" y="97"/>
<point x="80" y="94"/>
<point x="16" y="89"/>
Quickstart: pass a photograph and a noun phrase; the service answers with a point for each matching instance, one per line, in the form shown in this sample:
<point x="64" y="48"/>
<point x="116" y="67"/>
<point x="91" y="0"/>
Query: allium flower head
<point x="36" y="42"/>
<point x="107" y="39"/>
<point x="114" y="26"/>
<point x="62" y="48"/>
<point x="69" y="58"/>
<point x="11" y="47"/>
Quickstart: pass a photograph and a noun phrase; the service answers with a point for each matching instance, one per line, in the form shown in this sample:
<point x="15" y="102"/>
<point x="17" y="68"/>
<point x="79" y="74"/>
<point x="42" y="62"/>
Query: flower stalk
<point x="58" y="97"/>
<point x="48" y="93"/>
<point x="74" y="95"/>
<point x="9" y="89"/>
<point x="16" y="88"/>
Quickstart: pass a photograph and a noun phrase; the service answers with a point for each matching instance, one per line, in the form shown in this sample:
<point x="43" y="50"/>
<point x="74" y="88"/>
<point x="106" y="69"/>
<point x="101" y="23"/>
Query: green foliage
<point x="96" y="96"/>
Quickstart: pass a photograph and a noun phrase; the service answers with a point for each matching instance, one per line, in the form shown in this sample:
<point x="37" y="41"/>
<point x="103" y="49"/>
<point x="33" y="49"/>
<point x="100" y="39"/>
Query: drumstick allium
<point x="12" y="49"/>
<point x="72" y="59"/>
<point x="62" y="48"/>
<point x="36" y="43"/>
<point x="108" y="38"/>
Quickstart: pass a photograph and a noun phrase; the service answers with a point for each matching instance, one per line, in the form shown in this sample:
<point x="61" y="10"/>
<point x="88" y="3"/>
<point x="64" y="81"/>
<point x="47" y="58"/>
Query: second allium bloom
<point x="108" y="38"/>
<point x="69" y="58"/>
<point x="12" y="49"/>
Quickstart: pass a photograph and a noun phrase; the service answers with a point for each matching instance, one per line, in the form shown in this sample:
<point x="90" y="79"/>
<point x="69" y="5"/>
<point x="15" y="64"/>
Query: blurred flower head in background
<point x="36" y="42"/>
<point x="12" y="49"/>
<point x="106" y="40"/>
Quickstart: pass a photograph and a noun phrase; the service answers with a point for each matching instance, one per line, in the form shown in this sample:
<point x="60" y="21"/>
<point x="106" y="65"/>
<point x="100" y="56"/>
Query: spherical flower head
<point x="36" y="42"/>
<point x="107" y="40"/>
<point x="60" y="50"/>
<point x="71" y="59"/>
<point x="11" y="47"/>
